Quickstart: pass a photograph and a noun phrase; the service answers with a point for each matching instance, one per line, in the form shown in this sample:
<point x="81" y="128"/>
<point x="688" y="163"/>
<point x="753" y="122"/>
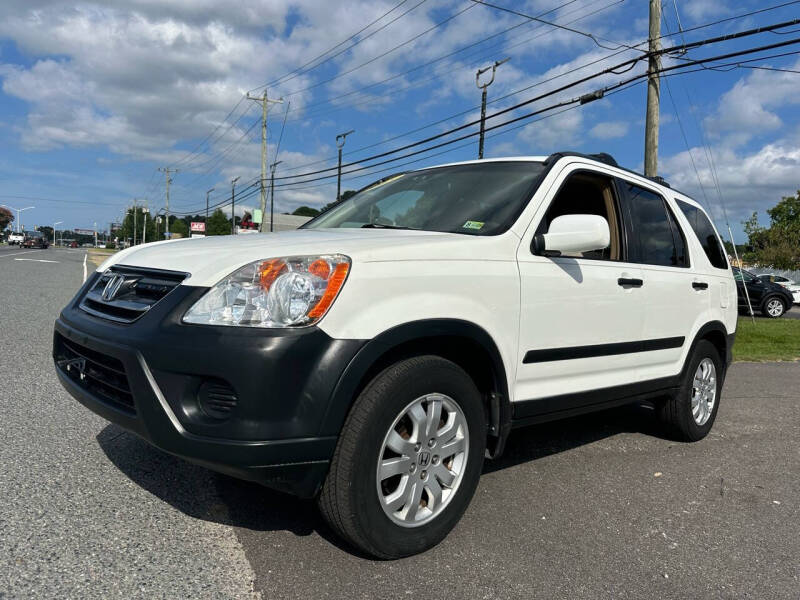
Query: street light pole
<point x="340" y="140"/>
<point x="483" y="87"/>
<point x="271" y="195"/>
<point x="19" y="210"/>
<point x="233" y="205"/>
<point x="54" y="231"/>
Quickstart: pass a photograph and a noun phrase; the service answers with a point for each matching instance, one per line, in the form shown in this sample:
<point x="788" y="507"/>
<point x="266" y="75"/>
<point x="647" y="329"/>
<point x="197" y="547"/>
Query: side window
<point x="705" y="233"/>
<point x="661" y="241"/>
<point x="586" y="193"/>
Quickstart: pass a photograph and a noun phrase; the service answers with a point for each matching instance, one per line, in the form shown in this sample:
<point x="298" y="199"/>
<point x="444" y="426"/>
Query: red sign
<point x="201" y="227"/>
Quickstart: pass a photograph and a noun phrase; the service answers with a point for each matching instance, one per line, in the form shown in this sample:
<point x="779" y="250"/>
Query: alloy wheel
<point x="704" y="391"/>
<point x="422" y="460"/>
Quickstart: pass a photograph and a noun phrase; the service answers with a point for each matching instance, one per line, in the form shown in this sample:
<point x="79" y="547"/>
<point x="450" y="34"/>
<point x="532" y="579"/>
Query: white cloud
<point x="609" y="130"/>
<point x="750" y="108"/>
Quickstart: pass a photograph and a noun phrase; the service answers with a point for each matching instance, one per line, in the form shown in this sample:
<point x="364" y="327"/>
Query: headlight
<point x="277" y="292"/>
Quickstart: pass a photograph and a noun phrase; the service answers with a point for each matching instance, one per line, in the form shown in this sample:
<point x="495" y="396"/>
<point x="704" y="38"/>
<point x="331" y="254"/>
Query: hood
<point x="209" y="259"/>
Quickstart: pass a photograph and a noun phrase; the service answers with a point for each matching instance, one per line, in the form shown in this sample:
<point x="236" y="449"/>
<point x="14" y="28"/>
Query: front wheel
<point x="408" y="459"/>
<point x="773" y="308"/>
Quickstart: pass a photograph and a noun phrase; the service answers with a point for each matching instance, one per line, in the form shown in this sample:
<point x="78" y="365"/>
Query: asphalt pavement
<point x="594" y="507"/>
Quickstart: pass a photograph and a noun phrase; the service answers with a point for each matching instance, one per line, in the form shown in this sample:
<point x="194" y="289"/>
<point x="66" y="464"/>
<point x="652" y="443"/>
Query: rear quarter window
<point x="706" y="235"/>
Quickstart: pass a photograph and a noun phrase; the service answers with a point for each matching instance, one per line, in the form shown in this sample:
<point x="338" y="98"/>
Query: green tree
<point x="144" y="223"/>
<point x="346" y="195"/>
<point x="306" y="211"/>
<point x="778" y="245"/>
<point x="6" y="217"/>
<point x="179" y="227"/>
<point x="218" y="224"/>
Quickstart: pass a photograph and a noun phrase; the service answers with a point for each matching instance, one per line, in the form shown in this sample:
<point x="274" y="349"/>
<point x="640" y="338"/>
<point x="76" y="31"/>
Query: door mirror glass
<point x="569" y="234"/>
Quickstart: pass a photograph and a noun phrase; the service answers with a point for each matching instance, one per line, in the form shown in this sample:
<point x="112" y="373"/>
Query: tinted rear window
<point x="704" y="230"/>
<point x="660" y="239"/>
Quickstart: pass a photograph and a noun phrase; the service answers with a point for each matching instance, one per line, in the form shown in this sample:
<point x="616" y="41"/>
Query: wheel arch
<point x="463" y="342"/>
<point x="716" y="333"/>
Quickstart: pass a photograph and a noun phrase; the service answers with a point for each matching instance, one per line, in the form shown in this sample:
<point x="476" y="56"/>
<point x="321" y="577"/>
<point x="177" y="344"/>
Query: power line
<point x="231" y="112"/>
<point x="573" y="84"/>
<point x="591" y="36"/>
<point x="300" y="70"/>
<point x="520" y="90"/>
<point x="580" y="99"/>
<point x="383" y="54"/>
<point x="306" y="114"/>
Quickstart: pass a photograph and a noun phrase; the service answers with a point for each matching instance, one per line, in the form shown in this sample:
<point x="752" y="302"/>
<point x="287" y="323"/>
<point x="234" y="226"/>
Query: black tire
<point x="770" y="299"/>
<point x="349" y="499"/>
<point x="676" y="412"/>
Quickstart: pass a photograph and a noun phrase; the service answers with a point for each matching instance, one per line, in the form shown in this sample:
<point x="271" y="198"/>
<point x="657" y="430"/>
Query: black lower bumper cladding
<point x="246" y="402"/>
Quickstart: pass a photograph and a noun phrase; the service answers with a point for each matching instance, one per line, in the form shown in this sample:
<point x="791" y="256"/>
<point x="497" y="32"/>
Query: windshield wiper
<point x="382" y="226"/>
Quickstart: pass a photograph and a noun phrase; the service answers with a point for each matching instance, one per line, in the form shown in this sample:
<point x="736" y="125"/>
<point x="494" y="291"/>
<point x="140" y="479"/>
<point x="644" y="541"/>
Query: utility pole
<point x="340" y="140"/>
<point x="653" y="91"/>
<point x="271" y="196"/>
<point x="168" y="179"/>
<point x="134" y="221"/>
<point x="19" y="210"/>
<point x="483" y="87"/>
<point x="233" y="205"/>
<point x="145" y="212"/>
<point x="54" y="231"/>
<point x="265" y="101"/>
<point x="95" y="235"/>
<point x="207" y="194"/>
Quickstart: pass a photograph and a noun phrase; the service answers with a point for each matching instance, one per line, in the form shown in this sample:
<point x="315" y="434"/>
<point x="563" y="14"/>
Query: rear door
<point x="676" y="298"/>
<point x="581" y="315"/>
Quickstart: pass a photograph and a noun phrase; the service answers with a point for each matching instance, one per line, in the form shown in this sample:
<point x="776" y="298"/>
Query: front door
<point x="581" y="315"/>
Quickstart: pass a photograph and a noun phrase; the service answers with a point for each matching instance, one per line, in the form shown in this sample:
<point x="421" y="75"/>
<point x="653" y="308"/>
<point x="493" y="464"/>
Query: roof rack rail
<point x="659" y="180"/>
<point x="605" y="158"/>
<point x="602" y="157"/>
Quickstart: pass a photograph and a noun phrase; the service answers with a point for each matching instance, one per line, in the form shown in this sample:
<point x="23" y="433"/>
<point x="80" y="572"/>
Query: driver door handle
<point x="630" y="282"/>
<point x="700" y="285"/>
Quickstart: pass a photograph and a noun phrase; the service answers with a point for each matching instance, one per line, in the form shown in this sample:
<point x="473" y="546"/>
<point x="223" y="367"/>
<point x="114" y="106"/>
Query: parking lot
<point x="593" y="507"/>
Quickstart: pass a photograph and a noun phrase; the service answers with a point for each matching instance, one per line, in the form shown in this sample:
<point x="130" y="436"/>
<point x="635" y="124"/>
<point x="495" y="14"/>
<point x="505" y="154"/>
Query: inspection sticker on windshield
<point x="472" y="225"/>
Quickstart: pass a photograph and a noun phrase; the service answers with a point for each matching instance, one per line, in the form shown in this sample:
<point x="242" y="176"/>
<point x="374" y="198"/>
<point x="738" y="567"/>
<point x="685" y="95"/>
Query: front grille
<point x="123" y="294"/>
<point x="101" y="375"/>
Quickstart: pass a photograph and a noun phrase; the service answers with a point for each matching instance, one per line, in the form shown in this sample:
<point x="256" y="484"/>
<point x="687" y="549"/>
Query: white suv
<point x="373" y="358"/>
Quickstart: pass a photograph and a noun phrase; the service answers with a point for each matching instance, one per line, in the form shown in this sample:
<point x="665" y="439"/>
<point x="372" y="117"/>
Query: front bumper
<point x="281" y="381"/>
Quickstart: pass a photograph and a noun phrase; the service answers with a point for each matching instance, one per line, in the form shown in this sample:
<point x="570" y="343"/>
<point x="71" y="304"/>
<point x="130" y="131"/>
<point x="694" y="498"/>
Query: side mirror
<point x="573" y="233"/>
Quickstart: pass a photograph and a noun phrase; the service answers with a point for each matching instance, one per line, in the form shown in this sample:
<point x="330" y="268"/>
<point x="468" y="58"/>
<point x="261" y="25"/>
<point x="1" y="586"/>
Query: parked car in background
<point x="789" y="284"/>
<point x="770" y="299"/>
<point x="14" y="239"/>
<point x="73" y="244"/>
<point x="35" y="239"/>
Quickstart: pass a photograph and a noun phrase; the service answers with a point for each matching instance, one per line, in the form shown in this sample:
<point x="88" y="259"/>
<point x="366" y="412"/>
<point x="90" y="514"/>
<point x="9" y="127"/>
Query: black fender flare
<point x="712" y="326"/>
<point x="352" y="378"/>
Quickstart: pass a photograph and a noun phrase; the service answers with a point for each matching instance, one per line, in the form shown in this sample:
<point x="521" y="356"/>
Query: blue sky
<point x="95" y="96"/>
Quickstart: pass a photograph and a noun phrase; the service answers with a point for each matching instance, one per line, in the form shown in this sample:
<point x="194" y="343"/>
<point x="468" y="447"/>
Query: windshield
<point x="738" y="273"/>
<point x="476" y="199"/>
<point x="33" y="234"/>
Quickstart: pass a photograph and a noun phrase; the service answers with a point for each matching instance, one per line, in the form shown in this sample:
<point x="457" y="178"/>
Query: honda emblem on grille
<point x="112" y="287"/>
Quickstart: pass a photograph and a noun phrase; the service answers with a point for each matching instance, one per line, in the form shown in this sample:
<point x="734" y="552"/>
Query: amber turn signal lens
<point x="334" y="285"/>
<point x="270" y="271"/>
<point x="320" y="268"/>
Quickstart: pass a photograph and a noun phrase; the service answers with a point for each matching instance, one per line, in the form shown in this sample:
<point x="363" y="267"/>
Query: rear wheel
<point x="408" y="459"/>
<point x="773" y="307"/>
<point x="690" y="413"/>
